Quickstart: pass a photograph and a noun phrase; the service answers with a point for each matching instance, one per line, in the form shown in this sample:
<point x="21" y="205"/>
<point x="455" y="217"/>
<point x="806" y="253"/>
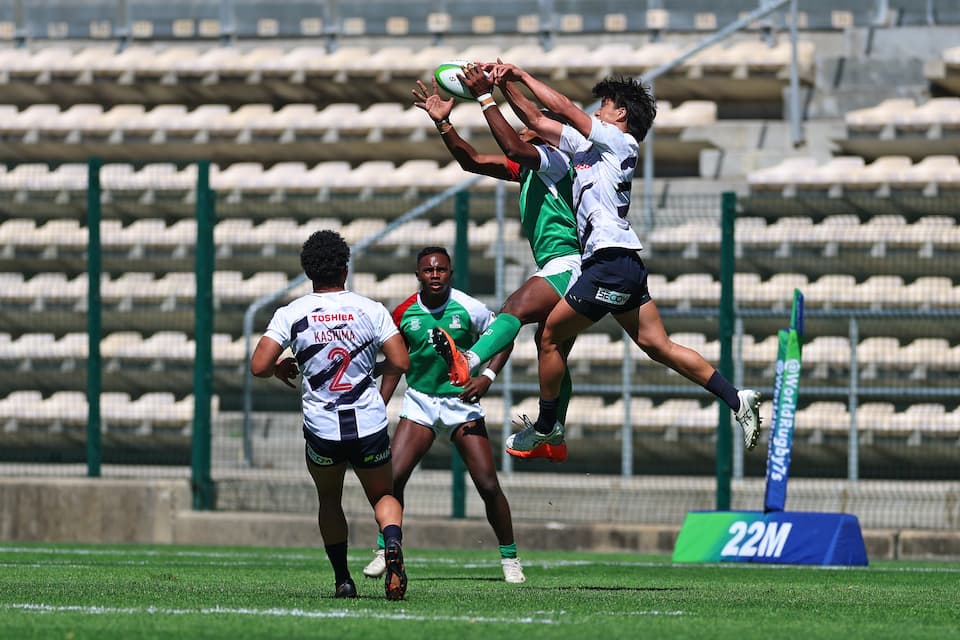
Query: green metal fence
<point x="158" y="339"/>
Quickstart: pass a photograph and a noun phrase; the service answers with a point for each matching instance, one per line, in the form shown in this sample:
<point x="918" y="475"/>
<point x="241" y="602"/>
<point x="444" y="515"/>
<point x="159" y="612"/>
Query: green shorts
<point x="561" y="272"/>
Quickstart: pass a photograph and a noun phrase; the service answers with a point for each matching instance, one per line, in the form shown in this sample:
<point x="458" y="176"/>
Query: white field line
<point x="242" y="558"/>
<point x="541" y="618"/>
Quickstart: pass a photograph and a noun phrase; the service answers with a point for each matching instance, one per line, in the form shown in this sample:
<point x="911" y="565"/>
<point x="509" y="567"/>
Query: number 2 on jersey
<point x="337" y="384"/>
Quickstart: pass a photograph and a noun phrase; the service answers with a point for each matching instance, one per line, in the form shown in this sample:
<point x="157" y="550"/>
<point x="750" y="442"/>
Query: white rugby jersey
<point x="603" y="165"/>
<point x="335" y="337"/>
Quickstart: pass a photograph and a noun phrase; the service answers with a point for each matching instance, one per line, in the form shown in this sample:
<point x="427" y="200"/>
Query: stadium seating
<point x="300" y="132"/>
<point x="835" y="179"/>
<point x="899" y="126"/>
<point x="305" y="136"/>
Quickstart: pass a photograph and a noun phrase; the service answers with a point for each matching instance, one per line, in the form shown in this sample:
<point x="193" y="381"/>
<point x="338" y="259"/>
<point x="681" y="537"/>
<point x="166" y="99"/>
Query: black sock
<point x="548" y="416"/>
<point x="721" y="387"/>
<point x="337" y="553"/>
<point x="392" y="531"/>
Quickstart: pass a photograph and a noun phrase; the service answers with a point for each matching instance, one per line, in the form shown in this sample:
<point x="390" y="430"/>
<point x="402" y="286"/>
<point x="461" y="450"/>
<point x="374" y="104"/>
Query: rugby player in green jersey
<point x="432" y="404"/>
<point x="546" y="216"/>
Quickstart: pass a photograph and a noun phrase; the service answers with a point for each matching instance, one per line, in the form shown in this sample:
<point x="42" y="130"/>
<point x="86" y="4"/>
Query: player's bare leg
<point x="563" y="324"/>
<point x="333" y="524"/>
<point x="377" y="483"/>
<point x="409" y="444"/>
<point x="646" y="328"/>
<point x="473" y="444"/>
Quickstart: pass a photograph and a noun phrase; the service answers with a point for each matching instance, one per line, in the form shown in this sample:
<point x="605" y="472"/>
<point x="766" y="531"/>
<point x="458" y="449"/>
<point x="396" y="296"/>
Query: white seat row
<point x="246" y="177"/>
<point x="171" y="289"/>
<point x="852" y="173"/>
<point x="148" y="413"/>
<point x="903" y="114"/>
<point x="171" y="62"/>
<point x="238" y="234"/>
<point x="84" y="122"/>
<point x="835" y="231"/>
<point x="832" y="291"/>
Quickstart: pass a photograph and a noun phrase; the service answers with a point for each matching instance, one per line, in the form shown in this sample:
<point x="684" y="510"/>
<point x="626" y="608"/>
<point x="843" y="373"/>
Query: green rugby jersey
<point x="546" y="207"/>
<point x="463" y="317"/>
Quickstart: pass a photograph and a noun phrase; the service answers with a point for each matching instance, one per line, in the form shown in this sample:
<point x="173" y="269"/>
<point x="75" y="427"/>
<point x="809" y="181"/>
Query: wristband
<point x="484" y="97"/>
<point x="489" y="373"/>
<point x="444" y="126"/>
<point x="488" y="105"/>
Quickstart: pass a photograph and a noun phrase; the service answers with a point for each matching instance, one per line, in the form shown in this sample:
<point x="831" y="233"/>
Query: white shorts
<point x="561" y="273"/>
<point x="438" y="412"/>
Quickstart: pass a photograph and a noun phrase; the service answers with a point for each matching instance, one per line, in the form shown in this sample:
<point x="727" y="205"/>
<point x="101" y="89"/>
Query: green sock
<point x="563" y="400"/>
<point x="508" y="550"/>
<point x="380" y="543"/>
<point x="498" y="336"/>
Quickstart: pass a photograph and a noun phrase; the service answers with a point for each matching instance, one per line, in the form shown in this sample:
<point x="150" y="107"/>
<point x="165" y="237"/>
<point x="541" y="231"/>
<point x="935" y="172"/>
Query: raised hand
<point x="476" y="79"/>
<point x="435" y="106"/>
<point x="502" y="71"/>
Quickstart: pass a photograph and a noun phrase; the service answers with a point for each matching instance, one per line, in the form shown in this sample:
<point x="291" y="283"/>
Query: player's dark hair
<point x="324" y="258"/>
<point x="426" y="251"/>
<point x="635" y="97"/>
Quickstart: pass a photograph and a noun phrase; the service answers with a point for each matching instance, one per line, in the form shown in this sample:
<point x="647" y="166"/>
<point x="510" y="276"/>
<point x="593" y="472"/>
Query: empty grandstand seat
<point x="195" y="121"/>
<point x="831" y="290"/>
<point x="879" y="172"/>
<point x="932" y="292"/>
<point x="879" y="291"/>
<point x="237" y="176"/>
<point x="877" y="352"/>
<point x="19" y="407"/>
<point x="874" y="119"/>
<point x="824" y="417"/>
<point x="120" y="343"/>
<point x="835" y="172"/>
<point x="74" y="117"/>
<point x="944" y="112"/>
<point x="914" y="421"/>
<point x="34" y="116"/>
<point x="243" y="117"/>
<point x="779" y="176"/>
<point x="690" y="113"/>
<point x="286" y="117"/>
<point x="927" y="355"/>
<point x="942" y="171"/>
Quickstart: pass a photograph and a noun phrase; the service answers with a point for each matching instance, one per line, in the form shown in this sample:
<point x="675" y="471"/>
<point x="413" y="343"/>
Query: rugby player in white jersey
<point x="335" y="336"/>
<point x="604" y="149"/>
<point x="432" y="404"/>
<point x="546" y="217"/>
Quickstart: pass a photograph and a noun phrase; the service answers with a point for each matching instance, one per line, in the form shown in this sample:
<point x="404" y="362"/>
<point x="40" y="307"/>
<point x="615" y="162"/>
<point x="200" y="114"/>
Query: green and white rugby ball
<point x="447" y="75"/>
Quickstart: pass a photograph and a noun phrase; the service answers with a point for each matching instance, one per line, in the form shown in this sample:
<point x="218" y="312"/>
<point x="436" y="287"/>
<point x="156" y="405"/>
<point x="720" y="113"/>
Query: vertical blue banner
<point x="786" y="391"/>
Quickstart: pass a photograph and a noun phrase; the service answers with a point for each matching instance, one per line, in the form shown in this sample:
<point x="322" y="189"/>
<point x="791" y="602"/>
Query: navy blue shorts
<point x="611" y="281"/>
<point x="368" y="452"/>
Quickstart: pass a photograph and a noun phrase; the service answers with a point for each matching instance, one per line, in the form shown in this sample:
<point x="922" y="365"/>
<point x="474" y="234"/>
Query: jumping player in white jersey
<point x="335" y="336"/>
<point x="433" y="405"/>
<point x="604" y="149"/>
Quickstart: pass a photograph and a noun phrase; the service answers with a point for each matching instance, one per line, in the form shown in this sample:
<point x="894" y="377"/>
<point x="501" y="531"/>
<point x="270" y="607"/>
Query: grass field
<point x="72" y="591"/>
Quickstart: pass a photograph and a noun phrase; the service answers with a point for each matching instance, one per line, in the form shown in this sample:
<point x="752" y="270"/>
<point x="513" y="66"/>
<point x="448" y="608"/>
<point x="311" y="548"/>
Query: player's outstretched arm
<point x="515" y="148"/>
<point x="495" y="166"/>
<point x="549" y="97"/>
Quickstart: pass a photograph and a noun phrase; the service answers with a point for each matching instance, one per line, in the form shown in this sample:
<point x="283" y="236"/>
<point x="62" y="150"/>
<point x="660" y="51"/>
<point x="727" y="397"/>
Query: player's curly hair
<point x="324" y="257"/>
<point x="426" y="251"/>
<point x="635" y="97"/>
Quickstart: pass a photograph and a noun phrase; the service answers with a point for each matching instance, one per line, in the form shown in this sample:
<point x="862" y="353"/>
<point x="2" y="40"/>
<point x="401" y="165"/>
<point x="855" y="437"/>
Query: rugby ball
<point x="447" y="77"/>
